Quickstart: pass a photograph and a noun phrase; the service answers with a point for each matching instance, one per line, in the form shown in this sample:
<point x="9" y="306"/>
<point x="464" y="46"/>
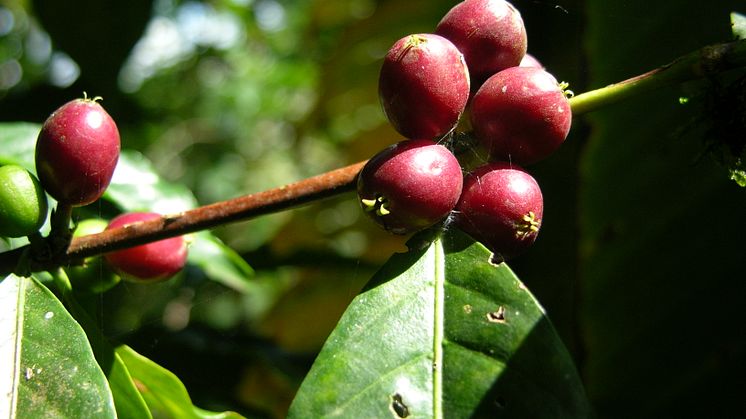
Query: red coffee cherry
<point x="490" y="34"/>
<point x="501" y="206"/>
<point x="149" y="262"/>
<point x="530" y="61"/>
<point x="521" y="115"/>
<point x="410" y="186"/>
<point x="77" y="151"/>
<point x="423" y="86"/>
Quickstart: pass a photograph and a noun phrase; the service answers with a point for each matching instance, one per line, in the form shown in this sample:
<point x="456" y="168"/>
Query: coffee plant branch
<point x="705" y="62"/>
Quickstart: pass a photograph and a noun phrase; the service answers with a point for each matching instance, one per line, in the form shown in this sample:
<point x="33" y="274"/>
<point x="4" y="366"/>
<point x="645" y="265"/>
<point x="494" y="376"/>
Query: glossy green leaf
<point x="136" y="186"/>
<point x="17" y="144"/>
<point x="220" y="262"/>
<point x="164" y="393"/>
<point x="442" y="332"/>
<point x="127" y="400"/>
<point x="47" y="367"/>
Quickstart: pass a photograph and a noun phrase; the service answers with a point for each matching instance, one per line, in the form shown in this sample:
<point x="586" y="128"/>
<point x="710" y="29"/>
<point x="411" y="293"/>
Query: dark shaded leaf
<point x="165" y="395"/>
<point x="662" y="280"/>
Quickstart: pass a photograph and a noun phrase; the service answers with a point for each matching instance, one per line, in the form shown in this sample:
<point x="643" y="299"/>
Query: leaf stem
<point x="704" y="62"/>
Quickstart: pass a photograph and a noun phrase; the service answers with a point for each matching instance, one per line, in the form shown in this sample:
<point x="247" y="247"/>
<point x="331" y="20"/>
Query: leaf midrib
<point x="438" y="332"/>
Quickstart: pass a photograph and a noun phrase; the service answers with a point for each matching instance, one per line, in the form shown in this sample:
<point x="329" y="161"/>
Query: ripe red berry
<point x="410" y="186"/>
<point x="529" y="60"/>
<point x="423" y="86"/>
<point x="490" y="34"/>
<point x="521" y="115"/>
<point x="502" y="207"/>
<point x="149" y="262"/>
<point x="77" y="151"/>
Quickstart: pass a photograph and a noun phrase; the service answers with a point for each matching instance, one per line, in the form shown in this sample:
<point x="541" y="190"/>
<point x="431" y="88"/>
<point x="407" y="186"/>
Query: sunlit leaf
<point x="738" y="21"/>
<point x="47" y="367"/>
<point x="127" y="400"/>
<point x="220" y="262"/>
<point x="136" y="186"/>
<point x="17" y="143"/>
<point x="165" y="395"/>
<point x="442" y="332"/>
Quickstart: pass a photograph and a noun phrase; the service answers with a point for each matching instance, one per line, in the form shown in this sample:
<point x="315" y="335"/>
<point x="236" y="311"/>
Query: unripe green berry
<point x="23" y="203"/>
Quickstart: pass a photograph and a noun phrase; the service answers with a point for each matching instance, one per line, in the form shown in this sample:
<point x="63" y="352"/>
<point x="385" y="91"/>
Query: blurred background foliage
<point x="230" y="97"/>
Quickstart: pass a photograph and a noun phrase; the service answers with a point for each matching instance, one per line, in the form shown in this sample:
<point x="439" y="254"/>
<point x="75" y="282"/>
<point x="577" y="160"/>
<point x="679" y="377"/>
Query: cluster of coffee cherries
<point x="475" y="62"/>
<point x="76" y="153"/>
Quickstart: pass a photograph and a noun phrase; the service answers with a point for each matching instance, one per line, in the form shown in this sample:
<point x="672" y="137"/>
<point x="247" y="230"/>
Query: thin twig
<point x="208" y="216"/>
<point x="707" y="61"/>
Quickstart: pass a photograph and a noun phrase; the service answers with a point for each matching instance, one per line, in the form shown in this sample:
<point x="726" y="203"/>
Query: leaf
<point x="17" y="144"/>
<point x="220" y="262"/>
<point x="136" y="186"/>
<point x="127" y="400"/>
<point x="47" y="368"/>
<point x="165" y="395"/>
<point x="738" y="21"/>
<point x="661" y="277"/>
<point x="441" y="332"/>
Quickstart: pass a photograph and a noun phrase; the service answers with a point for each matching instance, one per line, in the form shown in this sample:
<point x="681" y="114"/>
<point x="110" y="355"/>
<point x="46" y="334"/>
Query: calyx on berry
<point x="501" y="206"/>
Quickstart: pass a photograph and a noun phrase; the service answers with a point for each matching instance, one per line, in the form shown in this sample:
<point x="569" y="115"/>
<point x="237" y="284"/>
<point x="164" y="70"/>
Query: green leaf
<point x="47" y="367"/>
<point x="442" y="332"/>
<point x="662" y="307"/>
<point x="220" y="262"/>
<point x="127" y="400"/>
<point x="165" y="395"/>
<point x="738" y="22"/>
<point x="136" y="186"/>
<point x="17" y="144"/>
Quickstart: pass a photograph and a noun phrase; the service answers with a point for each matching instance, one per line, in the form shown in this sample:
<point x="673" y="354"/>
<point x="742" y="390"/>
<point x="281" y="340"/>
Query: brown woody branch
<point x="205" y="217"/>
<point x="701" y="63"/>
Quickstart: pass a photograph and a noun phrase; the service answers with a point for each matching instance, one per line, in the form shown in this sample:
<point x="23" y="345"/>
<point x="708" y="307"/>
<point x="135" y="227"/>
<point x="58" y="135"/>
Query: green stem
<point x="62" y="283"/>
<point x="704" y="62"/>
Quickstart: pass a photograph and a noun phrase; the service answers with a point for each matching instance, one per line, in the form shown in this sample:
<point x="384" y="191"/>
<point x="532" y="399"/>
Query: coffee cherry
<point x="521" y="115"/>
<point x="490" y="34"/>
<point x="77" y="151"/>
<point x="410" y="186"/>
<point x="502" y="207"/>
<point x="23" y="203"/>
<point x="423" y="86"/>
<point x="529" y="60"/>
<point x="92" y="276"/>
<point x="151" y="262"/>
